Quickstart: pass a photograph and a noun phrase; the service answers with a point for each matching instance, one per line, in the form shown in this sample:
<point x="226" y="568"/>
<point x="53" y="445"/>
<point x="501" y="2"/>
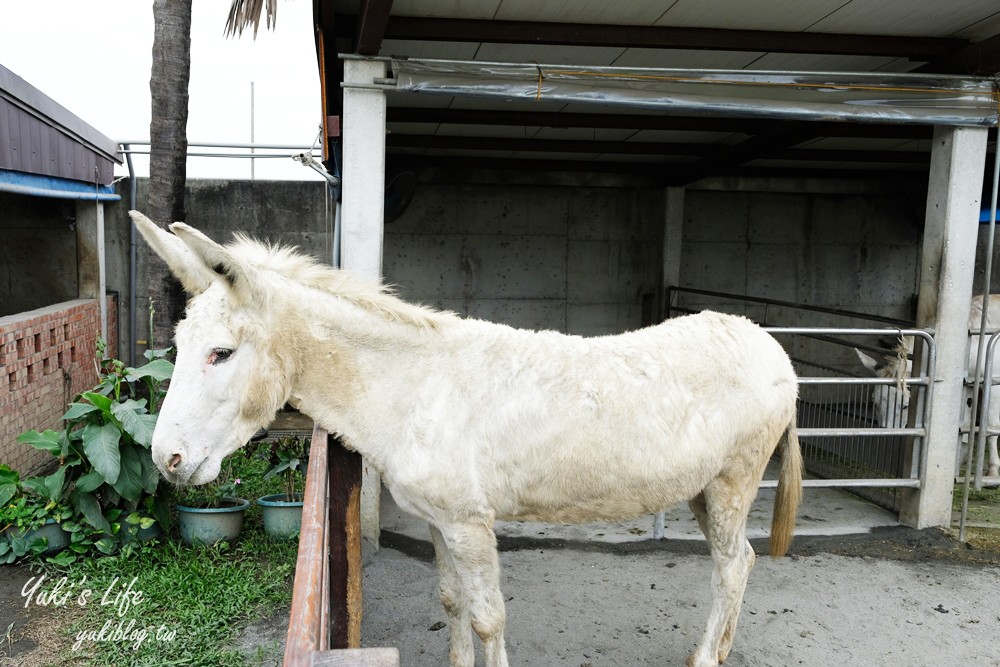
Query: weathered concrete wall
<point x="848" y="251"/>
<point x="564" y="257"/>
<point x="570" y="259"/>
<point x="37" y="252"/>
<point x="286" y="212"/>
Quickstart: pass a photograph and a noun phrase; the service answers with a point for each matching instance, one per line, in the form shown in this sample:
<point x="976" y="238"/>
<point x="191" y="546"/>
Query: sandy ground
<point x="570" y="606"/>
<point x="855" y="590"/>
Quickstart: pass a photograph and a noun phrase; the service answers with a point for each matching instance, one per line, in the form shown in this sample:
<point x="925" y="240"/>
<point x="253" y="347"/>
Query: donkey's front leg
<point x="455" y="602"/>
<point x="473" y="547"/>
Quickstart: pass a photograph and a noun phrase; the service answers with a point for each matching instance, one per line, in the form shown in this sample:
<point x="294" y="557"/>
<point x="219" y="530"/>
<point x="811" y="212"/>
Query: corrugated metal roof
<point x="889" y="36"/>
<point x="40" y="136"/>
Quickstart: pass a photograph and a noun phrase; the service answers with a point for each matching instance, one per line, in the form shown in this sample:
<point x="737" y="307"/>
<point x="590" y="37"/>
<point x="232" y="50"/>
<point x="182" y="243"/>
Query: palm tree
<point x="244" y="13"/>
<point x="168" y="87"/>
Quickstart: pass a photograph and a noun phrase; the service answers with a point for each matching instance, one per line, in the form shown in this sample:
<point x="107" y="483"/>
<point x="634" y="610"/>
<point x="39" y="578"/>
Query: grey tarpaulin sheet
<point x="864" y="97"/>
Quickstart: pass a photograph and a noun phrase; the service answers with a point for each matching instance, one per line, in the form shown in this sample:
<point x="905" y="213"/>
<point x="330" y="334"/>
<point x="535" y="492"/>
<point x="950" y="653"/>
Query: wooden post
<point x="344" y="545"/>
<point x="326" y="601"/>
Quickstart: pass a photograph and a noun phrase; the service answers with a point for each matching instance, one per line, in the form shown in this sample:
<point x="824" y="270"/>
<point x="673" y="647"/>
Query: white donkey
<point x="891" y="401"/>
<point x="470" y="422"/>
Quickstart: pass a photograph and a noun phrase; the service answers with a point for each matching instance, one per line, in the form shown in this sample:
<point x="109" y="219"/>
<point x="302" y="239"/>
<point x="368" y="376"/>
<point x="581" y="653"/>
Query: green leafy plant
<point x="105" y="471"/>
<point x="23" y="512"/>
<point x="217" y="493"/>
<point x="287" y="457"/>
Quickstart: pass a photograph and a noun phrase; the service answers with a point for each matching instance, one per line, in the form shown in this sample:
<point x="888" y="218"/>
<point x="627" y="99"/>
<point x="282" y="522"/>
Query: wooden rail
<point x="325" y="623"/>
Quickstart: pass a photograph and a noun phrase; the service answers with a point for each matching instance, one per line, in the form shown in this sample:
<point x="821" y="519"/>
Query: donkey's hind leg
<point x="721" y="510"/>
<point x="462" y="651"/>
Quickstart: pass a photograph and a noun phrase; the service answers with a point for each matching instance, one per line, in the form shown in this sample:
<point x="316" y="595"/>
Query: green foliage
<point x="198" y="597"/>
<point x="213" y="494"/>
<point x="105" y="474"/>
<point x="286" y="457"/>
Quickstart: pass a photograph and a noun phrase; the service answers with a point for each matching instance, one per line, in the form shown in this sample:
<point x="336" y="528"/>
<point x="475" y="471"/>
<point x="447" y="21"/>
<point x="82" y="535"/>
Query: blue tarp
<point x="34" y="185"/>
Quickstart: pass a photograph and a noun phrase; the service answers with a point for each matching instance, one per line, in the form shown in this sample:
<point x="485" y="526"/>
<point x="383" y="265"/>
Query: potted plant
<point x="105" y="472"/>
<point x="211" y="513"/>
<point x="283" y="511"/>
<point x="30" y="524"/>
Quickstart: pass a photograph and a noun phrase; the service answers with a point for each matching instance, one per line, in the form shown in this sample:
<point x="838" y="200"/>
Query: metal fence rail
<point x="984" y="429"/>
<point x="843" y="442"/>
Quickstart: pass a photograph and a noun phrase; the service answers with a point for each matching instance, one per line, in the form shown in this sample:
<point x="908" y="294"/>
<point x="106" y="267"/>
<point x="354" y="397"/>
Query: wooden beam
<point x="359" y="657"/>
<point x="979" y="59"/>
<point x="418" y="28"/>
<point x="370" y="26"/>
<point x="665" y="148"/>
<point x="344" y="544"/>
<point x="646" y="122"/>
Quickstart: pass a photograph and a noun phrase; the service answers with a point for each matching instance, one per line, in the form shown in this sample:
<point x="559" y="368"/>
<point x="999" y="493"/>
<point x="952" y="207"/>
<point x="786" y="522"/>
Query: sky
<point x="94" y="57"/>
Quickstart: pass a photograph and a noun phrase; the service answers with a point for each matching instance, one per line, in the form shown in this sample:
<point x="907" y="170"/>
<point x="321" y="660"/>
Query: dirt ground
<point x="892" y="596"/>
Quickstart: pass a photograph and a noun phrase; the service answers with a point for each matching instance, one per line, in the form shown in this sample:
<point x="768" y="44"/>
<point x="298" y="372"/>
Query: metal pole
<point x="251" y="132"/>
<point x="980" y="441"/>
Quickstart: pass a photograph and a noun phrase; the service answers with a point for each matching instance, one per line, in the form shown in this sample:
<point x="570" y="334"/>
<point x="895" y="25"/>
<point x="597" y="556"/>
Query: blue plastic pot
<point x="58" y="539"/>
<point x="282" y="518"/>
<point x="210" y="525"/>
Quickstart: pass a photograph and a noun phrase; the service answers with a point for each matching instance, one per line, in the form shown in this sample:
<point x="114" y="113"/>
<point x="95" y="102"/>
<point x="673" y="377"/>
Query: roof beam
<point x="464" y="166"/>
<point x="729" y="157"/>
<point x="370" y="26"/>
<point x="646" y="122"/>
<point x="508" y="144"/>
<point x="665" y="37"/>
<point x="979" y="59"/>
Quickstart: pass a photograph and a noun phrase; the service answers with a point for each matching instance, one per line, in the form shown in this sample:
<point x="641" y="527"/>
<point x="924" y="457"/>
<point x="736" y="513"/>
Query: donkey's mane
<point x="293" y="265"/>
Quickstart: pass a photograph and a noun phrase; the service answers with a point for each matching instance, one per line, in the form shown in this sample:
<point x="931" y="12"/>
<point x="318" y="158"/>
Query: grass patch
<point x="186" y="605"/>
<point x="984" y="506"/>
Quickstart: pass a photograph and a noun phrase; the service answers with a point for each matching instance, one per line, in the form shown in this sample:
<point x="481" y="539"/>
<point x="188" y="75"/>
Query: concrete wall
<point x="577" y="260"/>
<point x="37" y="252"/>
<point x="850" y="251"/>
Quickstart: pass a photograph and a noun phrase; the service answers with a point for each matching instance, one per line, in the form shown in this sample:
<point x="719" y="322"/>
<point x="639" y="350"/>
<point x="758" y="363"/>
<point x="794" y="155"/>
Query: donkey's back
<point x="619" y="426"/>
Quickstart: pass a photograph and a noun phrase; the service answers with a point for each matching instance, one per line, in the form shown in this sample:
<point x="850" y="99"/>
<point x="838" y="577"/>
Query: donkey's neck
<point x="355" y="366"/>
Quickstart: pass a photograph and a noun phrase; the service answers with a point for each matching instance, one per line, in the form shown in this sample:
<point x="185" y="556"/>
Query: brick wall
<point x="46" y="357"/>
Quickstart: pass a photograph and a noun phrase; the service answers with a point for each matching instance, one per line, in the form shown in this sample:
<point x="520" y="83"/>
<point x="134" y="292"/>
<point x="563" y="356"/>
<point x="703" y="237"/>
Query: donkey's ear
<point x="869" y="362"/>
<point x="185" y="266"/>
<point x="216" y="259"/>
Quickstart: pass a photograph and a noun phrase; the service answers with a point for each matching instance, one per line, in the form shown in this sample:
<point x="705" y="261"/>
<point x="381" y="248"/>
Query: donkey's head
<point x="891" y="401"/>
<point x="230" y="377"/>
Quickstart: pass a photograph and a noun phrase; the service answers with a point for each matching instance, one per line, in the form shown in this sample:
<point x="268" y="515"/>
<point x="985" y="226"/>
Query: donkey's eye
<point x="219" y="355"/>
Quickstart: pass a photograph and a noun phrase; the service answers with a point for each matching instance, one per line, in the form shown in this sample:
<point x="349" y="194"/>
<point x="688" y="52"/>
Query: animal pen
<point x="843" y="443"/>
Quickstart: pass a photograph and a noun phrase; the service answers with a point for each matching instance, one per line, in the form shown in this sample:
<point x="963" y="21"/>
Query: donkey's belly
<point x="601" y="495"/>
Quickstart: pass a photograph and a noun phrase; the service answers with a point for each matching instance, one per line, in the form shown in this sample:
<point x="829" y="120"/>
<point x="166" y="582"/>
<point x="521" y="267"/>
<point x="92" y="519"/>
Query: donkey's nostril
<point x="174" y="462"/>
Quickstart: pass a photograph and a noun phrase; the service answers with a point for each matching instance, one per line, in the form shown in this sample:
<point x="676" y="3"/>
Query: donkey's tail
<point x="786" y="500"/>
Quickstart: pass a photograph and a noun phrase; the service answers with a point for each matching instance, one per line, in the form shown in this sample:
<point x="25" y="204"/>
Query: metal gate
<point x="845" y="441"/>
<point x="983" y="428"/>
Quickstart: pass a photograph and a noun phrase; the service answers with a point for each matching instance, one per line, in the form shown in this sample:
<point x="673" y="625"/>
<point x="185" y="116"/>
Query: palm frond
<point x="244" y="13"/>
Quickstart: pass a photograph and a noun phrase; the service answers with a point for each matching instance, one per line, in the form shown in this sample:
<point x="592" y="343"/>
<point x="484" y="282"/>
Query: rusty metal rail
<point x="325" y="623"/>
